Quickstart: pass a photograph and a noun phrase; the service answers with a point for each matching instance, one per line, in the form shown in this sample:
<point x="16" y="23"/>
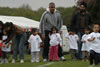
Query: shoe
<point x="37" y="61"/>
<point x="13" y="61"/>
<point x="21" y="61"/>
<point x="44" y="60"/>
<point x="6" y="60"/>
<point x="92" y="65"/>
<point x="63" y="59"/>
<point x="2" y="61"/>
<point x="32" y="61"/>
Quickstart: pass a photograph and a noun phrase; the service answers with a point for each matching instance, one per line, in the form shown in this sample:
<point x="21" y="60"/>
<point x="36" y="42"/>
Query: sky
<point x="36" y="4"/>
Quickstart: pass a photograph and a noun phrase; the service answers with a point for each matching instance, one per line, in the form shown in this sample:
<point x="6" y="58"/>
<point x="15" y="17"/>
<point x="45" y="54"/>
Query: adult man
<point x="50" y="18"/>
<point x="81" y="20"/>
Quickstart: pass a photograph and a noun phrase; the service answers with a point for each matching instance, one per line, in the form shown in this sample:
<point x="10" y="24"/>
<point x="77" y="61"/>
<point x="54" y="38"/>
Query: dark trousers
<point x="94" y="57"/>
<point x="60" y="52"/>
<point x="46" y="45"/>
<point x="5" y="55"/>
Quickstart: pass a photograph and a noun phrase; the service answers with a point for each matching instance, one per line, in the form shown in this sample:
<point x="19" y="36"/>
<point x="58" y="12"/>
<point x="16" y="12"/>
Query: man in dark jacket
<point x="81" y="20"/>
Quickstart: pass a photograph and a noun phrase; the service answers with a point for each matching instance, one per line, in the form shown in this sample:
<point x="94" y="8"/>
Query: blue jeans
<point x="19" y="45"/>
<point x="80" y="34"/>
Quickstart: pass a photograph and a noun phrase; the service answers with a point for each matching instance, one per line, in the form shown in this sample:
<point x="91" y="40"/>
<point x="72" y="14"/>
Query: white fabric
<point x="95" y="44"/>
<point x="55" y="39"/>
<point x="72" y="41"/>
<point x="4" y="37"/>
<point x="86" y="45"/>
<point x="34" y="41"/>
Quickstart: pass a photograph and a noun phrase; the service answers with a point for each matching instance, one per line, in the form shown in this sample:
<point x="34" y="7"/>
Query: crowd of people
<point x="84" y="44"/>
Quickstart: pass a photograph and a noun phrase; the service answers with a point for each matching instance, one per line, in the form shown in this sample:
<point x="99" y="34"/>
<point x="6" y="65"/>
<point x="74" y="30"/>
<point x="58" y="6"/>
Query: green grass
<point x="68" y="63"/>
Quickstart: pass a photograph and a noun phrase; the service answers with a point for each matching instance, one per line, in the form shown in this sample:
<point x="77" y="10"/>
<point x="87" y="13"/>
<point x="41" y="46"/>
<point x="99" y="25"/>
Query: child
<point x="6" y="48"/>
<point x="34" y="44"/>
<point x="94" y="40"/>
<point x="85" y="44"/>
<point x="1" y="33"/>
<point x="73" y="38"/>
<point x="55" y="40"/>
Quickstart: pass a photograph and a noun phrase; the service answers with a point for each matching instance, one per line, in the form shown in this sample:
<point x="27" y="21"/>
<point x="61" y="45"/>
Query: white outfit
<point x="86" y="45"/>
<point x="55" y="39"/>
<point x="72" y="41"/>
<point x="95" y="44"/>
<point x="5" y="49"/>
<point x="34" y="41"/>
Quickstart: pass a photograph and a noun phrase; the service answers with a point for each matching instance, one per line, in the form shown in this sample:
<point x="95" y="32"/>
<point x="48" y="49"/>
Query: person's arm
<point x="42" y="22"/>
<point x="83" y="41"/>
<point x="59" y="22"/>
<point x="91" y="38"/>
<point x="73" y="22"/>
<point x="11" y="34"/>
<point x="29" y="45"/>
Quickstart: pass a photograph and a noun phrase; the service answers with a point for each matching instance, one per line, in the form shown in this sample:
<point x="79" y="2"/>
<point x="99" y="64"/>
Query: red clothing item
<point x="53" y="53"/>
<point x="0" y="52"/>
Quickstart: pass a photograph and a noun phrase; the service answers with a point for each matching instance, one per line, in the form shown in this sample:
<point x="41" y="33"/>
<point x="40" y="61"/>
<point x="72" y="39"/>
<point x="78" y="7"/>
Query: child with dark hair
<point x="85" y="44"/>
<point x="94" y="40"/>
<point x="6" y="48"/>
<point x="73" y="39"/>
<point x="34" y="44"/>
<point x="1" y="33"/>
<point x="55" y="40"/>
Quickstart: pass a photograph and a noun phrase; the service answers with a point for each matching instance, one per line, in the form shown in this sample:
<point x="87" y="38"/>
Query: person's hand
<point x="43" y="37"/>
<point x="83" y="41"/>
<point x="93" y="38"/>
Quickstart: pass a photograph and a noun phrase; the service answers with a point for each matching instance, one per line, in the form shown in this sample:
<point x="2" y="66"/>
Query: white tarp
<point x="21" y="21"/>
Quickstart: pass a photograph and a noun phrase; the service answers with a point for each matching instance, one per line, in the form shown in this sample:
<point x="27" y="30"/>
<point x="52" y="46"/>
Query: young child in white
<point x="94" y="40"/>
<point x="34" y="44"/>
<point x="85" y="44"/>
<point x="6" y="48"/>
<point x="73" y="38"/>
<point x="55" y="40"/>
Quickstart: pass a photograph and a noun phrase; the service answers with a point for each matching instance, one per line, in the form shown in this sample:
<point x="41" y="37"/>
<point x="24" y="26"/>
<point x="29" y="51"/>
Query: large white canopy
<point x="21" y="21"/>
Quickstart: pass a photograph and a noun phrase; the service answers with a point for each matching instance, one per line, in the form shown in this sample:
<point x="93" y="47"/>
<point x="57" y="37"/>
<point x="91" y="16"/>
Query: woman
<point x="20" y="38"/>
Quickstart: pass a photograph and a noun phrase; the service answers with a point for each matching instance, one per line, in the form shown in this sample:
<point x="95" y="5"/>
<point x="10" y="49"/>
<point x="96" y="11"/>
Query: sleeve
<point x="59" y="22"/>
<point x="90" y="36"/>
<point x="73" y="22"/>
<point x="82" y="38"/>
<point x="60" y="39"/>
<point x="67" y="35"/>
<point x="10" y="36"/>
<point x="77" y="38"/>
<point x="42" y="23"/>
<point x="39" y="39"/>
<point x="29" y="40"/>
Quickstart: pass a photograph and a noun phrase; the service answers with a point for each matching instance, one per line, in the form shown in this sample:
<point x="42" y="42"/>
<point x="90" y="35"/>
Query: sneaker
<point x="92" y="65"/>
<point x="63" y="59"/>
<point x="13" y="61"/>
<point x="6" y="60"/>
<point x="21" y="61"/>
<point x="37" y="61"/>
<point x="2" y="61"/>
<point x="32" y="61"/>
<point x="44" y="60"/>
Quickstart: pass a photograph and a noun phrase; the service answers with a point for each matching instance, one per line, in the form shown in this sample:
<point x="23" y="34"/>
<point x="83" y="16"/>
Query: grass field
<point x="67" y="63"/>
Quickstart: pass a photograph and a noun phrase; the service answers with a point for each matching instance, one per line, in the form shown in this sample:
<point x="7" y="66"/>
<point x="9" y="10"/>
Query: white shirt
<point x="95" y="44"/>
<point x="86" y="45"/>
<point x="55" y="39"/>
<point x="72" y="41"/>
<point x="5" y="49"/>
<point x="34" y="41"/>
